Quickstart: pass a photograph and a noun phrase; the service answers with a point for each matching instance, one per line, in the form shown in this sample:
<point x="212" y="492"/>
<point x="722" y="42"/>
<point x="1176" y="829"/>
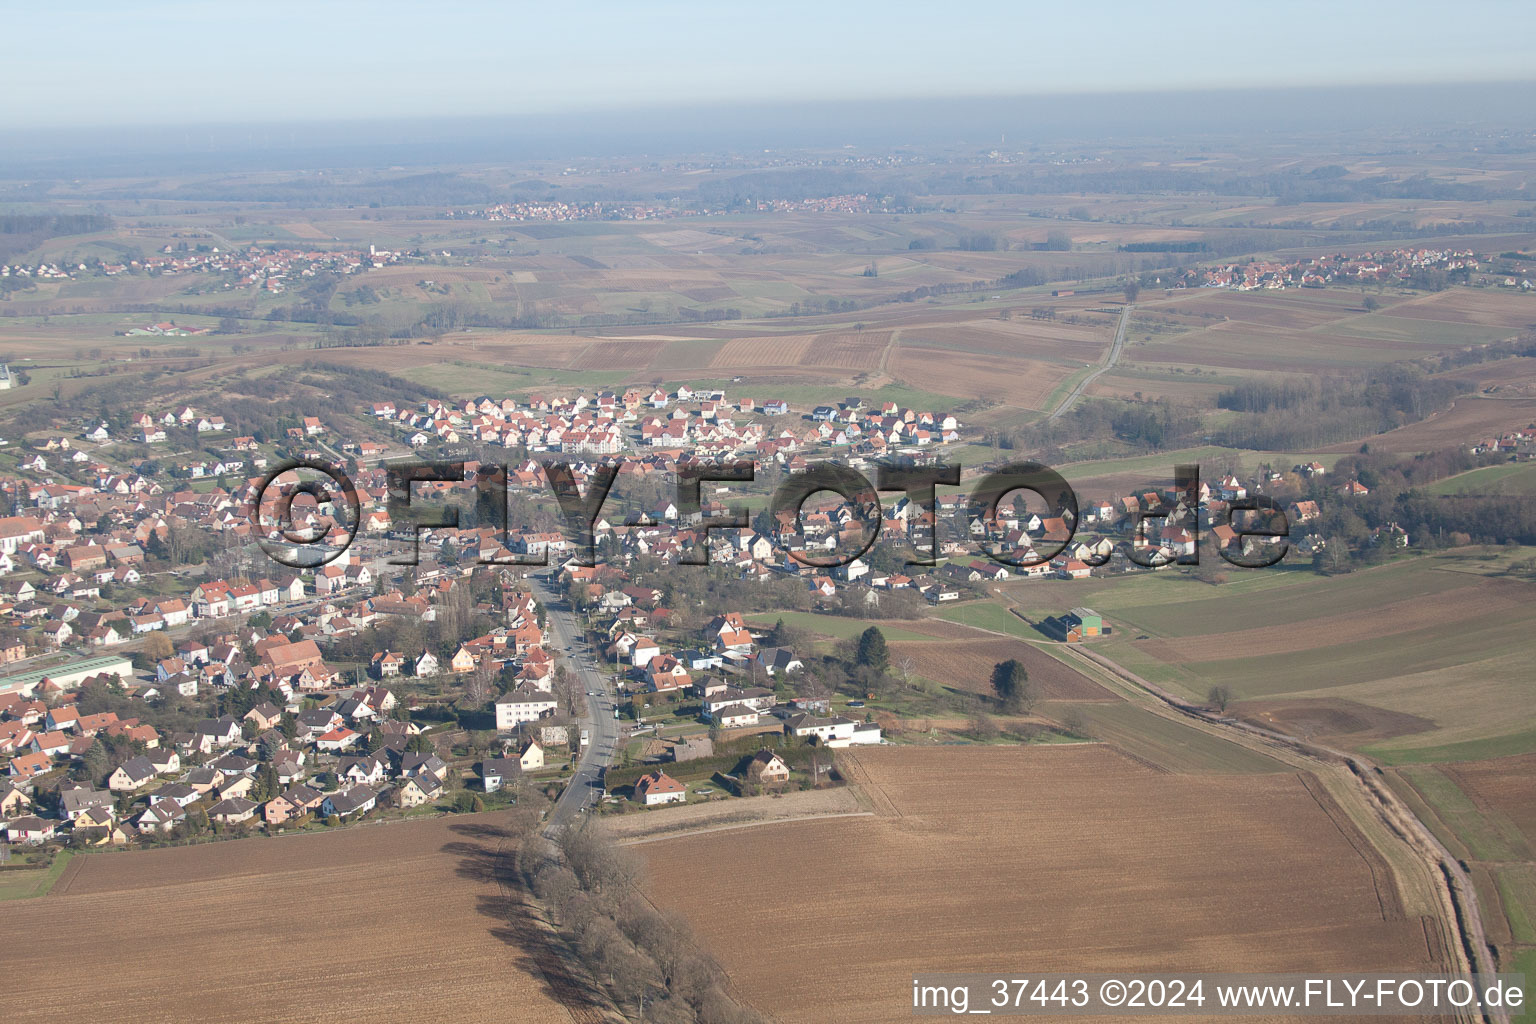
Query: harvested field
<point x="1094" y="863"/>
<point x="1167" y="608"/>
<point x="1272" y="310"/>
<point x="856" y="350"/>
<point x="1486" y="832"/>
<point x="939" y="629"/>
<point x="688" y="355"/>
<point x="1196" y="391"/>
<point x="967" y="665"/>
<point x="1167" y="744"/>
<point x="1478" y="657"/>
<point x="608" y="355"/>
<point x="299" y="229"/>
<point x="708" y="293"/>
<point x="786" y="350"/>
<point x="1021" y="382"/>
<point x="1020" y="338"/>
<point x="499" y="349"/>
<point x="1495" y="307"/>
<point x="1470" y="417"/>
<point x="841" y="626"/>
<point x="404" y="918"/>
<point x="1512" y="377"/>
<point x="1241" y="346"/>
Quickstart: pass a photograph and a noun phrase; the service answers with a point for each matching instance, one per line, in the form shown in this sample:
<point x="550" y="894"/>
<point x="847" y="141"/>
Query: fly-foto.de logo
<point x="306" y="513"/>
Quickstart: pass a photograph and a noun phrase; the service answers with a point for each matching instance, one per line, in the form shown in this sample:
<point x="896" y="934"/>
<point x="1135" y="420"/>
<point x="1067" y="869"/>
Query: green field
<point x="1509" y="478"/>
<point x="24" y="885"/>
<point x="836" y="625"/>
<point x="1278" y="596"/>
<point x="1460" y="677"/>
<point x="1517" y="891"/>
<point x="1461" y="647"/>
<point x="1503" y="745"/>
<point x="1488" y="836"/>
<point x="1171" y="603"/>
<point x="1414" y="331"/>
<point x="1168" y="742"/>
<point x="989" y="615"/>
<point x="1525" y="963"/>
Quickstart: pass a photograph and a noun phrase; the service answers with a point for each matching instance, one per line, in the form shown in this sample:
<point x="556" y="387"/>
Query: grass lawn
<point x="24" y="885"/>
<point x="989" y="615"/>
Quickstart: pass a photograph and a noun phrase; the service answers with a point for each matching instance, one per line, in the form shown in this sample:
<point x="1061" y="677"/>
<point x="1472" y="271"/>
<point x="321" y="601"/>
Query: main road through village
<point x="564" y="637"/>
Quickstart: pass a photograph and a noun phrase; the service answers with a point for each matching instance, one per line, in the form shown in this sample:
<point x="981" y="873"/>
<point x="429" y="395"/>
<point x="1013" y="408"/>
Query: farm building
<point x="1077" y="625"/>
<point x="1086" y="621"/>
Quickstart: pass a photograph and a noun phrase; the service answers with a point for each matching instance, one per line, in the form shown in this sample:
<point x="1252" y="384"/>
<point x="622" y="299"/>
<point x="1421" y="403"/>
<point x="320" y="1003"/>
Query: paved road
<point x="603" y="730"/>
<point x="1114" y="357"/>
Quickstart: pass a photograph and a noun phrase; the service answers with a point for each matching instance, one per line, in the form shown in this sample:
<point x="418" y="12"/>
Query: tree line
<point x="648" y="959"/>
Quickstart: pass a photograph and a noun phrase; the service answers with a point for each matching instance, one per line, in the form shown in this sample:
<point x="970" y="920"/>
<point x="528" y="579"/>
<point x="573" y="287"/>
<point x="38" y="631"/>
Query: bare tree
<point x="568" y="691"/>
<point x="982" y="727"/>
<point x="481" y="683"/>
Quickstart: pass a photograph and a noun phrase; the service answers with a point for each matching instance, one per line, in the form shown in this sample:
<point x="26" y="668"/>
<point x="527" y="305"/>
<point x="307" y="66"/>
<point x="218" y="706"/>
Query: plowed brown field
<point x="1022" y="382"/>
<point x="967" y="665"/>
<point x="1020" y="339"/>
<point x="858" y="350"/>
<point x="606" y="355"/>
<point x="1033" y="859"/>
<point x="1505" y="784"/>
<point x="398" y="922"/>
<point x="1469" y="417"/>
<point x="787" y="350"/>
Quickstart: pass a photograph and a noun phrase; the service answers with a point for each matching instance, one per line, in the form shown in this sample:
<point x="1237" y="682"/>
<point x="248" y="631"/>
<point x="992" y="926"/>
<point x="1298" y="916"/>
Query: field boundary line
<point x="66" y="877"/>
<point x="1391" y="907"/>
<point x="735" y="826"/>
<point x="888" y="352"/>
<point x="878" y="796"/>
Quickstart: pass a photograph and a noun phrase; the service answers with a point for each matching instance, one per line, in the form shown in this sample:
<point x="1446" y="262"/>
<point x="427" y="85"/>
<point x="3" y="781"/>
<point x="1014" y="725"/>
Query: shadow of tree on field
<point x="485" y="856"/>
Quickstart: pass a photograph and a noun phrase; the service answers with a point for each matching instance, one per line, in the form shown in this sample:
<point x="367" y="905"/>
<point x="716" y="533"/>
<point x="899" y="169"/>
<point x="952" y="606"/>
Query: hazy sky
<point x="95" y="63"/>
